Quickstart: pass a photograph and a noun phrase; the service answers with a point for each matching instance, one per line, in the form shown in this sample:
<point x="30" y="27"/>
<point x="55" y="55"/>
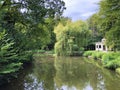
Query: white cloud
<point x="80" y="9"/>
<point x="87" y="14"/>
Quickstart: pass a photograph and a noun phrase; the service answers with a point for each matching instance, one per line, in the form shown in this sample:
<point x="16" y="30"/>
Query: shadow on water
<point x="64" y="73"/>
<point x="18" y="83"/>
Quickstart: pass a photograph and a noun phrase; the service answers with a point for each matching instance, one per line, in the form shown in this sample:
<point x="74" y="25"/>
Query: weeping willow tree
<point x="71" y="38"/>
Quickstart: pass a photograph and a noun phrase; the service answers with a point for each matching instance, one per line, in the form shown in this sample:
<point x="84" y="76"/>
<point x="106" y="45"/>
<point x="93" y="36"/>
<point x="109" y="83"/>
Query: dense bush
<point x="94" y="54"/>
<point x="109" y="59"/>
<point x="87" y="53"/>
<point x="118" y="70"/>
<point x="100" y="54"/>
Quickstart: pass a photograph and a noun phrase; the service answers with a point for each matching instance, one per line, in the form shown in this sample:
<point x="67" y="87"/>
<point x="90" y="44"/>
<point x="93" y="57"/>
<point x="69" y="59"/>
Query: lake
<point x="64" y="73"/>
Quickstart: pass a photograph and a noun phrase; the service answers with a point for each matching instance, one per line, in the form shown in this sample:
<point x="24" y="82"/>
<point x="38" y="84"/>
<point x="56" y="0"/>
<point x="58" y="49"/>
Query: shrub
<point x="94" y="55"/>
<point x="100" y="54"/>
<point x="118" y="70"/>
<point x="113" y="64"/>
<point x="81" y="49"/>
<point x="87" y="53"/>
<point x="40" y="51"/>
<point x="105" y="58"/>
<point x="111" y="60"/>
<point x="75" y="47"/>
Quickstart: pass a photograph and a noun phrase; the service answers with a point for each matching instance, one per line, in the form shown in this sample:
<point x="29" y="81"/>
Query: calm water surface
<point x="70" y="73"/>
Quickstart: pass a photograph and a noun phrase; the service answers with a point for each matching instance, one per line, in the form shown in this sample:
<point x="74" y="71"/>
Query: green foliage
<point x="7" y="52"/>
<point x="71" y="37"/>
<point x="39" y="51"/>
<point x="94" y="54"/>
<point x="9" y="59"/>
<point x="75" y="47"/>
<point x="113" y="64"/>
<point x="81" y="49"/>
<point x="30" y="22"/>
<point x="109" y="59"/>
<point x="94" y="26"/>
<point x="110" y="22"/>
<point x="118" y="70"/>
<point x="113" y="38"/>
<point x="106" y="24"/>
<point x="10" y="68"/>
<point x="87" y="53"/>
<point x="100" y="54"/>
<point x="25" y="25"/>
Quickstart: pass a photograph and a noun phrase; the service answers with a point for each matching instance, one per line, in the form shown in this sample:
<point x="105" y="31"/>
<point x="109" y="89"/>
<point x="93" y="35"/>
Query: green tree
<point x="9" y="59"/>
<point x="110" y="21"/>
<point x="93" y="23"/>
<point x="33" y="15"/>
<point x="27" y="25"/>
<point x="71" y="37"/>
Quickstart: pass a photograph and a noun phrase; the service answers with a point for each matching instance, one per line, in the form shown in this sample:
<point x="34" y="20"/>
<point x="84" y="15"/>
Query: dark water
<point x="71" y="73"/>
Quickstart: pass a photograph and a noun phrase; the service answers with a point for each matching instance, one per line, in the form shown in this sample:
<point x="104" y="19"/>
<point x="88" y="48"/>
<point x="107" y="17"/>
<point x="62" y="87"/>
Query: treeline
<point x="25" y="25"/>
<point x="71" y="36"/>
<point x="106" y="23"/>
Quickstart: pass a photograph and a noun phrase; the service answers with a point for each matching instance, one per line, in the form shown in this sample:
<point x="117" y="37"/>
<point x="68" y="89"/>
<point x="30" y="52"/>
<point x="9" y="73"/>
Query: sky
<point x="80" y="9"/>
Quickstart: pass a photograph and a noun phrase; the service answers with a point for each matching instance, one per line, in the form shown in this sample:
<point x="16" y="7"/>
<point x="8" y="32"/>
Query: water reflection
<point x="70" y="73"/>
<point x="42" y="76"/>
<point x="74" y="72"/>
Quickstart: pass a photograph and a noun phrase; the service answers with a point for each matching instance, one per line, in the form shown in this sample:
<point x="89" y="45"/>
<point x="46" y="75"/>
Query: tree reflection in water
<point x="75" y="72"/>
<point x="64" y="73"/>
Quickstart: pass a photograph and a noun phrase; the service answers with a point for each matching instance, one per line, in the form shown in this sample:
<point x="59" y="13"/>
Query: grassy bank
<point x="110" y="60"/>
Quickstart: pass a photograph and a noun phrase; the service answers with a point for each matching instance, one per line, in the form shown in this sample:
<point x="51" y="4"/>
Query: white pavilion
<point x="100" y="46"/>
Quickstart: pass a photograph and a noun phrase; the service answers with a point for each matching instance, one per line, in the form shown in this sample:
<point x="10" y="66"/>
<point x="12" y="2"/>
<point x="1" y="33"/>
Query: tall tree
<point x="71" y="37"/>
<point x="32" y="15"/>
<point x="110" y="21"/>
<point x="27" y="25"/>
<point x="93" y="23"/>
